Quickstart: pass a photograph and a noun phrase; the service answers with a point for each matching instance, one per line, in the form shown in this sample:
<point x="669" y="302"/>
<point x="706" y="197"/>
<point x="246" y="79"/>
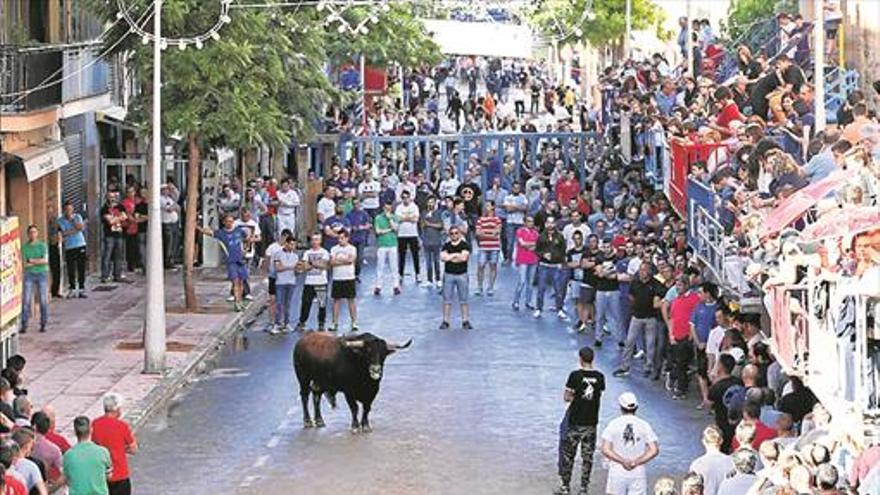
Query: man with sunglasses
<point x="455" y="255"/>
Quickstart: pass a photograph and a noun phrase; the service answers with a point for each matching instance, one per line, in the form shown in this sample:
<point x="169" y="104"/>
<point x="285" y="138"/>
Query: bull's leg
<point x="304" y="397"/>
<point x="316" y="400"/>
<point x="353" y="405"/>
<point x="365" y="420"/>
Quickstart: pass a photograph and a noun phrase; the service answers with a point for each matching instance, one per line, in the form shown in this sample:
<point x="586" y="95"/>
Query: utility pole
<point x="819" y="65"/>
<point x="689" y="56"/>
<point x="627" y="42"/>
<point x="154" y="332"/>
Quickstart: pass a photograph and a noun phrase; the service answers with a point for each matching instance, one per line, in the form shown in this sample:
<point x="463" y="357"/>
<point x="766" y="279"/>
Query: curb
<point x="177" y="378"/>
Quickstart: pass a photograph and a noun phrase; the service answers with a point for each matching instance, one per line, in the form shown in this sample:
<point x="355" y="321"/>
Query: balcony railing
<point x="85" y="74"/>
<point x="29" y="79"/>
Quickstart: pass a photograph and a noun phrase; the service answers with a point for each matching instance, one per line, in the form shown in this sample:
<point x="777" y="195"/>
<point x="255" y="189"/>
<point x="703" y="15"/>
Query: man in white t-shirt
<point x="449" y="184"/>
<point x="273" y="248"/>
<point x="368" y="192"/>
<point x="343" y="257"/>
<point x="628" y="442"/>
<point x="288" y="202"/>
<point x="576" y="225"/>
<point x="326" y="205"/>
<point x="286" y="265"/>
<point x="714" y="466"/>
<point x="716" y="337"/>
<point x="407" y="233"/>
<point x="317" y="261"/>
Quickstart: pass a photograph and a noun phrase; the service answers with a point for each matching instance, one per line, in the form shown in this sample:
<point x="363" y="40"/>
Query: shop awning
<point x="42" y="159"/>
<point x="115" y="115"/>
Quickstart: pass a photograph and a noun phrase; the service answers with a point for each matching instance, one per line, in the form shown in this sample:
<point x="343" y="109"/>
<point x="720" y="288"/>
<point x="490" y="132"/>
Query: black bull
<point x="353" y="364"/>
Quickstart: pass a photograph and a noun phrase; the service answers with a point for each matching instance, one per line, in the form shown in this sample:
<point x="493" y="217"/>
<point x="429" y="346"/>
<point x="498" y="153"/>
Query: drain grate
<point x="104" y="288"/>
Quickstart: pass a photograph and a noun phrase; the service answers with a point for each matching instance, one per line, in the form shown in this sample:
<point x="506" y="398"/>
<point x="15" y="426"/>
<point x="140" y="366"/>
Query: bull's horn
<point x="397" y="347"/>
<point x="353" y="344"/>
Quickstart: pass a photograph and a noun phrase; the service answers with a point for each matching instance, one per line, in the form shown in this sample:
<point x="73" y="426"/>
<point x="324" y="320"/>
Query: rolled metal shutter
<point x="73" y="182"/>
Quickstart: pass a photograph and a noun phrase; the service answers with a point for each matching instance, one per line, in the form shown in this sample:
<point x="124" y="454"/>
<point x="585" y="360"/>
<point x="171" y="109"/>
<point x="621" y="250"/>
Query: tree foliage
<point x="744" y="14"/>
<point x="597" y="21"/>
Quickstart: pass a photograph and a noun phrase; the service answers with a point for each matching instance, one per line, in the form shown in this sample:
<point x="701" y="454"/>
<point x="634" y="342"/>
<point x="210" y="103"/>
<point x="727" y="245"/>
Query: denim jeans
<point x="607" y="312"/>
<point x="112" y="254"/>
<point x="510" y="238"/>
<point x="432" y="260"/>
<point x="41" y="281"/>
<point x="547" y="276"/>
<point x="283" y="301"/>
<point x="641" y="328"/>
<point x="526" y="274"/>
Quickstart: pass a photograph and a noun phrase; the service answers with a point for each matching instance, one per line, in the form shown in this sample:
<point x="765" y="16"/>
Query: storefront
<point x="31" y="182"/>
<point x="10" y="286"/>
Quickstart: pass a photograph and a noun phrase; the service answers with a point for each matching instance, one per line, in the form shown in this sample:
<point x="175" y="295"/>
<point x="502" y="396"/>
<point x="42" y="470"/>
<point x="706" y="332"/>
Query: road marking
<point x="261" y="461"/>
<point x="273" y="442"/>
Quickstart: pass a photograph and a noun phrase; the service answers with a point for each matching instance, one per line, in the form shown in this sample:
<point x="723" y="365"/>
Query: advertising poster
<point x="10" y="270"/>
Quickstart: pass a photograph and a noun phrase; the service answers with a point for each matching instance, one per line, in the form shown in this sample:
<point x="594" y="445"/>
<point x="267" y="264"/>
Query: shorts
<point x="271" y="286"/>
<point x="237" y="271"/>
<point x="625" y="485"/>
<point x="343" y="289"/>
<point x="487" y="256"/>
<point x="587" y="294"/>
<point x="455" y="282"/>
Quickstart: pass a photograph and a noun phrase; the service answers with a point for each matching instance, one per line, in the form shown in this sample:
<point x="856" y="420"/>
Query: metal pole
<point x="363" y="70"/>
<point x="689" y="56"/>
<point x="819" y="65"/>
<point x="154" y="333"/>
<point x="627" y="44"/>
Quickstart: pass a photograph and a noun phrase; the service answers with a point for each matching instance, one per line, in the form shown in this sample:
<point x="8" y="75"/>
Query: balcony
<point x="22" y="70"/>
<point x="85" y="74"/>
<point x="62" y="74"/>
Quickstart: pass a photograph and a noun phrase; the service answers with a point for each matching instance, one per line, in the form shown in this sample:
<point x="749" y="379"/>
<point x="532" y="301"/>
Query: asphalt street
<point x="460" y="412"/>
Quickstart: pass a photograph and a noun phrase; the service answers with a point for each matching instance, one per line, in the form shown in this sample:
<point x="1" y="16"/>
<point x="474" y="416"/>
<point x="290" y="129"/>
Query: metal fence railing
<point x="29" y="78"/>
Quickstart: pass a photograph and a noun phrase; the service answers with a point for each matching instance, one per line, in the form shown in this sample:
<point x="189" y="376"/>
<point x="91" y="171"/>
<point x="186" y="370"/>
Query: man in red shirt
<point x="53" y="435"/>
<point x="750" y="414"/>
<point x="729" y="111"/>
<point x="567" y="188"/>
<point x="680" y="311"/>
<point x="488" y="233"/>
<point x="115" y="435"/>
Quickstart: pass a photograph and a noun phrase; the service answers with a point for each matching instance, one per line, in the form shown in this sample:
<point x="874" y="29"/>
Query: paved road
<point x="459" y="413"/>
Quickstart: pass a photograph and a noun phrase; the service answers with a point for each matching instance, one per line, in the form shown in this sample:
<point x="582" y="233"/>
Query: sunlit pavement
<point x="460" y="412"/>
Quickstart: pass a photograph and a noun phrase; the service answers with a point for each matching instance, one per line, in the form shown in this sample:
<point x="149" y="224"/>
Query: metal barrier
<point x="577" y="149"/>
<point x="707" y="238"/>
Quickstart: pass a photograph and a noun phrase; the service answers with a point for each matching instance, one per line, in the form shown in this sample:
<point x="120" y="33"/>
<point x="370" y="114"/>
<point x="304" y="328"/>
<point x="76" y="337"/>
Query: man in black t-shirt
<point x="454" y="255"/>
<point x="583" y="392"/>
<point x="724" y="381"/>
<point x="645" y="295"/>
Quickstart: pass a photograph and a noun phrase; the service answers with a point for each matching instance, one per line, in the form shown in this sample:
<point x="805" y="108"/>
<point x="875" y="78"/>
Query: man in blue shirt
<point x="333" y="225"/>
<point x="232" y="239"/>
<point x="71" y="227"/>
<point x="359" y="223"/>
<point x="702" y="322"/>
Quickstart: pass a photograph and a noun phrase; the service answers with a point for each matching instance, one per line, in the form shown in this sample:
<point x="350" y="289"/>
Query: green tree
<point x="597" y="21"/>
<point x="394" y="36"/>
<point x="742" y="15"/>
<point x="261" y="82"/>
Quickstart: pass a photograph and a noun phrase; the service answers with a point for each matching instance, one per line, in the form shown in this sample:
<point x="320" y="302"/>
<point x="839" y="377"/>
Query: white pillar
<point x="819" y="65"/>
<point x="154" y="332"/>
<point x="627" y="41"/>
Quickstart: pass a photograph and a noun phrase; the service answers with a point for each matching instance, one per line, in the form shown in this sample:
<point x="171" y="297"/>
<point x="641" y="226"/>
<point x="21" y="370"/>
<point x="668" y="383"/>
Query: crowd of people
<point x="36" y="459"/>
<point x="598" y="237"/>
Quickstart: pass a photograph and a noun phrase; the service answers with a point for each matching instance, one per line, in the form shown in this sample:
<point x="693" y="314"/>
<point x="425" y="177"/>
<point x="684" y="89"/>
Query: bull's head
<point x="374" y="350"/>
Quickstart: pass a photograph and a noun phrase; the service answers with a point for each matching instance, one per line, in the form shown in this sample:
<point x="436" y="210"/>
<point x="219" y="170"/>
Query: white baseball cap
<point x="628" y="401"/>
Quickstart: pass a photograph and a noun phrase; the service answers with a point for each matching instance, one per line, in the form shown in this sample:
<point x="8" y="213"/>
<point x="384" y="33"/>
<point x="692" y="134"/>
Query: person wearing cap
<point x="629" y="443"/>
<point x="583" y="393"/>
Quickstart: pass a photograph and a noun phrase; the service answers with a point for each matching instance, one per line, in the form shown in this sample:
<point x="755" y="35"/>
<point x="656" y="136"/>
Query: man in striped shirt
<point x="488" y="233"/>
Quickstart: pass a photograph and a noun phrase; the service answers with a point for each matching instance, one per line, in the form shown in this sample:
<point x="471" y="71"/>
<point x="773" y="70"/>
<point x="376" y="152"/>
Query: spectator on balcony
<point x="852" y="131"/>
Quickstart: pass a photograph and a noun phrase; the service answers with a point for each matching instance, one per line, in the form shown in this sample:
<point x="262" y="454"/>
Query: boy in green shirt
<point x="87" y="464"/>
<point x="35" y="255"/>
<point x="385" y="226"/>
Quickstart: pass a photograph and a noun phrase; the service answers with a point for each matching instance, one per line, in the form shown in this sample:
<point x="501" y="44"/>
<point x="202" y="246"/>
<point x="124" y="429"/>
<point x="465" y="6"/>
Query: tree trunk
<point x="193" y="173"/>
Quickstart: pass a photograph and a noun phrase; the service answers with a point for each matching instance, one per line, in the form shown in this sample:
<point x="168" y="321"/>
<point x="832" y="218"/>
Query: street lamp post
<point x="627" y="43"/>
<point x="819" y="65"/>
<point x="154" y="332"/>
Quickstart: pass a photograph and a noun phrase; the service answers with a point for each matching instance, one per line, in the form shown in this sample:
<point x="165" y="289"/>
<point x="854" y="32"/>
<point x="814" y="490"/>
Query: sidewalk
<point x="93" y="346"/>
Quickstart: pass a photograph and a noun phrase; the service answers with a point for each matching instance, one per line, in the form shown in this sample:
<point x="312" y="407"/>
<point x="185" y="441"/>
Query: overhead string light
<point x="182" y="43"/>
